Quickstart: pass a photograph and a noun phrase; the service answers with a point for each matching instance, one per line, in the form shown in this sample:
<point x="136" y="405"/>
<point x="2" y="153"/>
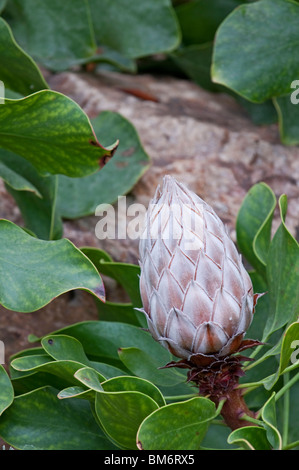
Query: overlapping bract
<point x="196" y="293"/>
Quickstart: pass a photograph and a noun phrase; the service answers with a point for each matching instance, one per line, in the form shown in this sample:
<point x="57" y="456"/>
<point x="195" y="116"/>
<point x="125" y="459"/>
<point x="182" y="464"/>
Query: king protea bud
<point x="196" y="293"/>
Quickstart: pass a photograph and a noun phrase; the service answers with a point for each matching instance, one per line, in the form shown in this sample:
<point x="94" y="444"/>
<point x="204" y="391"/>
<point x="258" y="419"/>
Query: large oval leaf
<point x="283" y="276"/>
<point x="254" y="223"/>
<point x="33" y="272"/>
<point x="7" y="393"/>
<point x="265" y="67"/>
<point x="121" y="414"/>
<point x="51" y="424"/>
<point x="178" y="426"/>
<point x="52" y="132"/>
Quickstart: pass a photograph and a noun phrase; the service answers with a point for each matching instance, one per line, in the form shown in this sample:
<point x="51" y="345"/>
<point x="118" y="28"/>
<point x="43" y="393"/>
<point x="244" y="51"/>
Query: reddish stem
<point x="234" y="408"/>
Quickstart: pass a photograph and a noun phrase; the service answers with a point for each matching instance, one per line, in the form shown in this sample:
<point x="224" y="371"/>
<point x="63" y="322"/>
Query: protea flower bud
<point x="196" y="293"/>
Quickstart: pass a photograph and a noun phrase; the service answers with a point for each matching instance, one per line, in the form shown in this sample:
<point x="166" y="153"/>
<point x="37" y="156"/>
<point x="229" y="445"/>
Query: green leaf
<point x="30" y="376"/>
<point x="51" y="424"/>
<point x="135" y="29"/>
<point x="261" y="309"/>
<point x="178" y="426"/>
<point x="101" y="341"/>
<point x="147" y="365"/>
<point x="127" y="275"/>
<point x="127" y="383"/>
<point x="294" y="413"/>
<point x="254" y="223"/>
<point x="90" y="378"/>
<point x="2" y="4"/>
<point x="118" y="312"/>
<point x="288" y="117"/>
<point x="63" y="347"/>
<point x="78" y="197"/>
<point x="261" y="114"/>
<point x="10" y="173"/>
<point x="52" y="132"/>
<point x="37" y="205"/>
<point x="250" y="438"/>
<point x="18" y="71"/>
<point x="251" y="70"/>
<point x="76" y="392"/>
<point x="30" y="362"/>
<point x="268" y="414"/>
<point x="57" y="35"/>
<point x="283" y="276"/>
<point x="7" y="393"/>
<point x="286" y="349"/>
<point x="199" y="19"/>
<point x="34" y="271"/>
<point x="121" y="413"/>
<point x="195" y="61"/>
<point x="290" y="337"/>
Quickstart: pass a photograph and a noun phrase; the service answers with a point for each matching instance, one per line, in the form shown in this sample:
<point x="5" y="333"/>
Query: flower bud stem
<point x="234" y="409"/>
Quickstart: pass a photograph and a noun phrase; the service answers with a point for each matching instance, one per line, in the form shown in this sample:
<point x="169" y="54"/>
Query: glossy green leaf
<point x="293" y="414"/>
<point x="199" y="19"/>
<point x="195" y="61"/>
<point x="251" y="70"/>
<point x="10" y="173"/>
<point x="125" y="313"/>
<point x="130" y="384"/>
<point x="147" y="365"/>
<point x="7" y="393"/>
<point x="78" y="197"/>
<point x="250" y="438"/>
<point x="51" y="424"/>
<point x="26" y="363"/>
<point x="63" y="347"/>
<point x="36" y="197"/>
<point x="90" y="378"/>
<point x="121" y="413"/>
<point x="135" y="29"/>
<point x="42" y="370"/>
<point x="288" y="118"/>
<point x="178" y="426"/>
<point x="52" y="132"/>
<point x="126" y="274"/>
<point x="2" y="4"/>
<point x="57" y="35"/>
<point x="27" y="284"/>
<point x="18" y="71"/>
<point x="289" y="343"/>
<point x="76" y="392"/>
<point x="268" y="414"/>
<point x="254" y="223"/>
<point x="286" y="348"/>
<point x="261" y="309"/>
<point x="283" y="276"/>
<point x="261" y="114"/>
<point x="101" y="341"/>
